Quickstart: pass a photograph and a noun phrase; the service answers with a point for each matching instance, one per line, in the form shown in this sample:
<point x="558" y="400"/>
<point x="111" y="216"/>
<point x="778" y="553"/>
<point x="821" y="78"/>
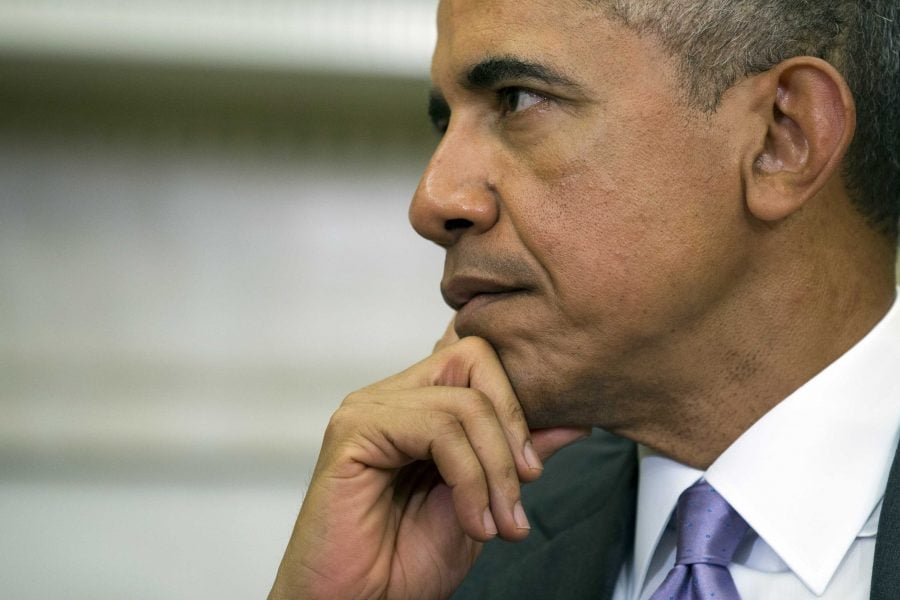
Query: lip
<point x="459" y="290"/>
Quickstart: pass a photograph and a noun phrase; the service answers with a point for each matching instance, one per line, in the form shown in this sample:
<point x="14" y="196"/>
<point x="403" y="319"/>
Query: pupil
<point x="512" y="100"/>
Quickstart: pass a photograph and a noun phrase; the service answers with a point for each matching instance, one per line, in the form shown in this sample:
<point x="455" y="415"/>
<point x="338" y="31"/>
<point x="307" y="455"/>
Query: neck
<point x="777" y="332"/>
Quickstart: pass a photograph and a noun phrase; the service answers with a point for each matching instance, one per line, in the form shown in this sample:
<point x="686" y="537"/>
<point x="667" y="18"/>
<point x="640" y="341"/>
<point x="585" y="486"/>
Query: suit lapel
<point x="886" y="567"/>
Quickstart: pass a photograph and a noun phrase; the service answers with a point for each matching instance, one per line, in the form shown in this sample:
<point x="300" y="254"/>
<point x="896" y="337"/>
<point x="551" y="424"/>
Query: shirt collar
<point x="808" y="475"/>
<point x="661" y="481"/>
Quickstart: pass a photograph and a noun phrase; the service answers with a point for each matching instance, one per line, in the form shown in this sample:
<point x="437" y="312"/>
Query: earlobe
<point x="810" y="118"/>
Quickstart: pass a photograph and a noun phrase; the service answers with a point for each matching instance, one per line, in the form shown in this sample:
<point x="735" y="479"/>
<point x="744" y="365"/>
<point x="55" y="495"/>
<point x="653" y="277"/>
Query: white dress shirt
<point x="808" y="478"/>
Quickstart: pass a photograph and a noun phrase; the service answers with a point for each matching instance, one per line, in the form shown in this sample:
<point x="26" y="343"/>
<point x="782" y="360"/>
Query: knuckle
<point x="515" y="413"/>
<point x="346" y="420"/>
<point x="354" y="398"/>
<point x="481" y="416"/>
<point x="478" y="407"/>
<point x="474" y="403"/>
<point x="342" y="421"/>
<point x="446" y="426"/>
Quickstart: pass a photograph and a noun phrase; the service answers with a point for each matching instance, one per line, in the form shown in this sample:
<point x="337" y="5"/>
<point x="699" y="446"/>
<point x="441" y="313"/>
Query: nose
<point x="456" y="195"/>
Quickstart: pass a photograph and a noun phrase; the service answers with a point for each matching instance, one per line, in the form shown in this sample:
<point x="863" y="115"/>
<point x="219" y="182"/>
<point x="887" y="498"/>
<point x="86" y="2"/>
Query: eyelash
<point x="441" y="122"/>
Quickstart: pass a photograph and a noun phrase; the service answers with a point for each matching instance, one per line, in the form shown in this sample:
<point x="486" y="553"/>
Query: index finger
<point x="472" y="362"/>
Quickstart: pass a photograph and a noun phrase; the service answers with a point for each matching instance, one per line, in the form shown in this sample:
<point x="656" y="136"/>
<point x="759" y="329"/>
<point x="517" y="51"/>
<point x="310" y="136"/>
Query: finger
<point x="461" y="470"/>
<point x="472" y="362"/>
<point x="485" y="372"/>
<point x="394" y="438"/>
<point x="490" y="442"/>
<point x="474" y="412"/>
<point x="454" y="427"/>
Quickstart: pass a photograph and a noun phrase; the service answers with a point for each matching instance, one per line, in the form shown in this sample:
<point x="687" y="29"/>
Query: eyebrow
<point x="495" y="70"/>
<point x="491" y="72"/>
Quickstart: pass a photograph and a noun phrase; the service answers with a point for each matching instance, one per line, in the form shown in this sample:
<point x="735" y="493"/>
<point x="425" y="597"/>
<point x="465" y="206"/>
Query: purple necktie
<point x="709" y="532"/>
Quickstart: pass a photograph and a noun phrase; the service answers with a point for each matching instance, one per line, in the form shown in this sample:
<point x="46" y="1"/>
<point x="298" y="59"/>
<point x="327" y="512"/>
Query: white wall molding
<point x="382" y="37"/>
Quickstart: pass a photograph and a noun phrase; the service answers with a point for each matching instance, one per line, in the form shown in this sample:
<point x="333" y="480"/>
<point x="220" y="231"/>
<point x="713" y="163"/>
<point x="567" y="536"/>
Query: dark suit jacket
<point x="582" y="517"/>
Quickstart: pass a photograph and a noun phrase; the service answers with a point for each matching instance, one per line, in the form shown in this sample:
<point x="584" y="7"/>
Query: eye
<point x="439" y="113"/>
<point x="515" y="99"/>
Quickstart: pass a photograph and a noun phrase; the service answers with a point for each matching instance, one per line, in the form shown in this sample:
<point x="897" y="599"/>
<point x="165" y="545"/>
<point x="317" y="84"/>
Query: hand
<point x="415" y="473"/>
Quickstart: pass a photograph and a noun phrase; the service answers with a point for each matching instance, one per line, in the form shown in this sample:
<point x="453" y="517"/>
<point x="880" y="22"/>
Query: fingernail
<point x="490" y="527"/>
<point x="532" y="458"/>
<point x="519" y="516"/>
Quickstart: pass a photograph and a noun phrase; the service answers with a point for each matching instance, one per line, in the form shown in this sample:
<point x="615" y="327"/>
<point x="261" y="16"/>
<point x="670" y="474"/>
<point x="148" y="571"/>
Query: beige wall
<point x="196" y="264"/>
<point x="178" y="325"/>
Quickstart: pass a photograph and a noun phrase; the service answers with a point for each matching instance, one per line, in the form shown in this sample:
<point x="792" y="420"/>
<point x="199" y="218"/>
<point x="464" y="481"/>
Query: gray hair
<point x="719" y="42"/>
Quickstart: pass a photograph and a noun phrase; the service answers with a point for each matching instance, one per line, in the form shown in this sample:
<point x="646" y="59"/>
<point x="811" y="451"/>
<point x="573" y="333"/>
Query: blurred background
<point x="203" y="249"/>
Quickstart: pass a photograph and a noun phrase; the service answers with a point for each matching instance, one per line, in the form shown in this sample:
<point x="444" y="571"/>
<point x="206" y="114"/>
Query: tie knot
<point x="709" y="530"/>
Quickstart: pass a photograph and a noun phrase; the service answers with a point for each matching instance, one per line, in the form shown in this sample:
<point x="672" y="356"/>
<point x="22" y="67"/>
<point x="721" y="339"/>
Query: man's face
<point x="591" y="220"/>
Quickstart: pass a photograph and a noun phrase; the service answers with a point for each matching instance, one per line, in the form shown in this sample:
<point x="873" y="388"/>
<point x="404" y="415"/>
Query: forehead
<point x="574" y="37"/>
<point x="455" y="16"/>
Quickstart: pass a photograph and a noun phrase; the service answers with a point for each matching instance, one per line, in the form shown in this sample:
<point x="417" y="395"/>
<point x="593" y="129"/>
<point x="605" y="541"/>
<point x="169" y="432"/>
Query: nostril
<point x="454" y="224"/>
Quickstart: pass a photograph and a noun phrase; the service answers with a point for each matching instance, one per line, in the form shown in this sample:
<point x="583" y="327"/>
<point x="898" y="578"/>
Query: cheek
<point x="627" y="233"/>
<point x="590" y="230"/>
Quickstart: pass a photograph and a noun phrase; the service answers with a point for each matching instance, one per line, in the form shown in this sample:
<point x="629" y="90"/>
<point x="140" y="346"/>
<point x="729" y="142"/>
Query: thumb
<point x="548" y="441"/>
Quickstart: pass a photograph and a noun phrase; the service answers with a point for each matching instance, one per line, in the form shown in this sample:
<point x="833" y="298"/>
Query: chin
<point x="544" y="406"/>
<point x="591" y="401"/>
<point x="550" y="395"/>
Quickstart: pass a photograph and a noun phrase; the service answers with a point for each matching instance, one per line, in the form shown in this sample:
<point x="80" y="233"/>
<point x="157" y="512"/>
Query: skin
<point x="649" y="237"/>
<point x="618" y="260"/>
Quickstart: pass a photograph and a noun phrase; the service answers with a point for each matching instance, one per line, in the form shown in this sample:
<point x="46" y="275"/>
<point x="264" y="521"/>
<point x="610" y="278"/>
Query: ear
<point x="810" y="119"/>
